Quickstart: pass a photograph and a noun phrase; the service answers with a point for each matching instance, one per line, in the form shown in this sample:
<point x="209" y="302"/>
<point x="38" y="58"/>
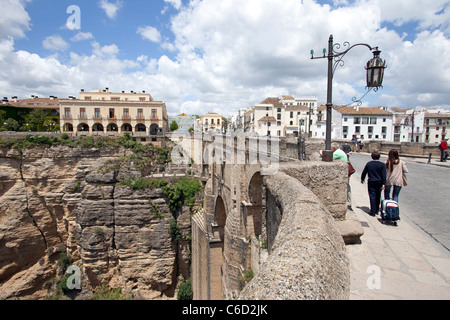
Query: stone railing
<point x="307" y="257"/>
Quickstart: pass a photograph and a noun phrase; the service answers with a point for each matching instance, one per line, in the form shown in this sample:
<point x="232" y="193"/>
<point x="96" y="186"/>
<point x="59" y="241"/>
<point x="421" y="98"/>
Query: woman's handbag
<point x="351" y="170"/>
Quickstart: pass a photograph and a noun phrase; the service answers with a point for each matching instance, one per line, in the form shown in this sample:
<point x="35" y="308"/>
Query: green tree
<point x="11" y="125"/>
<point x="36" y="119"/>
<point x="173" y="126"/>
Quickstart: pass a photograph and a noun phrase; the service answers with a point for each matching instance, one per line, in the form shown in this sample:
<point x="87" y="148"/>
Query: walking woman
<point x="395" y="169"/>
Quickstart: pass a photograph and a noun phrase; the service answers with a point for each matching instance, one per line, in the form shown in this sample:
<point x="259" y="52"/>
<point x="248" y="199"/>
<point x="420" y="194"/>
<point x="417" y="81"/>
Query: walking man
<point x="376" y="171"/>
<point x="444" y="147"/>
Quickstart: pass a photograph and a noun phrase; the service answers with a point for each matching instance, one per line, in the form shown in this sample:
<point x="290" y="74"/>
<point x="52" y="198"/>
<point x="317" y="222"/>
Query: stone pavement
<point x="395" y="262"/>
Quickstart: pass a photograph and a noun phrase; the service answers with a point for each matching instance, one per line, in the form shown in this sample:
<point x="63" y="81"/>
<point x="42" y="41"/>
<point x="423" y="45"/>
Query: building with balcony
<point x="369" y="123"/>
<point x="101" y="112"/>
<point x="436" y="126"/>
<point x="291" y="115"/>
<point x="212" y="122"/>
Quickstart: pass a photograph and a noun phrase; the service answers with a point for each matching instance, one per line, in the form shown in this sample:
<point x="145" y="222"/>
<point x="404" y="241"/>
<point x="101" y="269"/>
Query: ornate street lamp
<point x="375" y="72"/>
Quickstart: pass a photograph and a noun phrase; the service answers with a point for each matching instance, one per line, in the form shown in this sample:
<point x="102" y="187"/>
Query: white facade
<point x="291" y="115"/>
<point x="368" y="123"/>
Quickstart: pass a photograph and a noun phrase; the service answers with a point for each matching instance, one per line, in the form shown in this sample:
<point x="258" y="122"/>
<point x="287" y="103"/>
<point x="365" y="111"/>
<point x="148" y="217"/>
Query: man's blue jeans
<point x="395" y="192"/>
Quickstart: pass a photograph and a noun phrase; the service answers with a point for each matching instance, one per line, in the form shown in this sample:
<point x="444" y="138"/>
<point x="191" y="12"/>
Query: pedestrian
<point x="347" y="149"/>
<point x="395" y="169"/>
<point x="338" y="154"/>
<point x="361" y="143"/>
<point x="443" y="146"/>
<point x="376" y="172"/>
<point x="354" y="142"/>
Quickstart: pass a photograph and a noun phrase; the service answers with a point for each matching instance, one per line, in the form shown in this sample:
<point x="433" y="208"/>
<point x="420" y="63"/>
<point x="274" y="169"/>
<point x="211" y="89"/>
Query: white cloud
<point x="81" y="36"/>
<point x="55" y="43"/>
<point x="175" y="3"/>
<point x="15" y="21"/>
<point x="233" y="54"/>
<point x="111" y="8"/>
<point x="149" y="33"/>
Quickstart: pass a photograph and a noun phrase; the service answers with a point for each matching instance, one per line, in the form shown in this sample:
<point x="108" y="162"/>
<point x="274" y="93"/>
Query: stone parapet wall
<point x="307" y="258"/>
<point x="404" y="148"/>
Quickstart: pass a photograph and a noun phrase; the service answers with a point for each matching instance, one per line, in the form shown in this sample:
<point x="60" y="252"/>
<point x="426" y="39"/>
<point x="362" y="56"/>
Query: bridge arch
<point x="217" y="248"/>
<point x="254" y="208"/>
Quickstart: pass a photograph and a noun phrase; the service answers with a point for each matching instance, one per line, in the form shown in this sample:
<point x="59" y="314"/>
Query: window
<point x="115" y="99"/>
<point x="140" y="114"/>
<point x="291" y="123"/>
<point x="218" y="121"/>
<point x="356" y="120"/>
<point x="291" y="115"/>
<point x="278" y="123"/>
<point x="82" y="113"/>
<point x="345" y="119"/>
<point x="278" y="109"/>
<point x="112" y="114"/>
<point x="88" y="98"/>
<point x="278" y="133"/>
<point x="97" y="113"/>
<point x="357" y="129"/>
<point x="279" y="116"/>
<point x="373" y="120"/>
<point x="154" y="114"/>
<point x="365" y="121"/>
<point x="126" y="114"/>
<point x="141" y="99"/>
<point x="384" y="119"/>
<point x="370" y="130"/>
<point x="345" y="130"/>
<point x="212" y="121"/>
<point x="383" y="130"/>
<point x="67" y="113"/>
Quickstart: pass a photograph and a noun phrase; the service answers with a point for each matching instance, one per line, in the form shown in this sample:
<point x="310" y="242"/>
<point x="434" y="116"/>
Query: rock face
<point x="57" y="199"/>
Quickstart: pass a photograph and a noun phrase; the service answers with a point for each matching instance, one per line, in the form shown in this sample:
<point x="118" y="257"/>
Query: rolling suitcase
<point x="389" y="211"/>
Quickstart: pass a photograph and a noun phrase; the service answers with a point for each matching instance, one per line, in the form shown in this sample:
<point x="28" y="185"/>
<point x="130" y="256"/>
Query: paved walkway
<point x="395" y="262"/>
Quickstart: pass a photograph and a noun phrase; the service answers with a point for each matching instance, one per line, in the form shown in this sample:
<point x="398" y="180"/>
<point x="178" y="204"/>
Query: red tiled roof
<point x="274" y="101"/>
<point x="267" y="119"/>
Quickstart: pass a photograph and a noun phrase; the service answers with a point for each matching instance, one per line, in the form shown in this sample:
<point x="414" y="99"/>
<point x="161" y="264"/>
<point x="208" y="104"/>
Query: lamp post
<point x="375" y="72"/>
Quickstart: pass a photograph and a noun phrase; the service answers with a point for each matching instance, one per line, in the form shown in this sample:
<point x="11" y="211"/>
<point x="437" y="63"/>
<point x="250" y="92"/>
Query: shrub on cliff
<point x="185" y="291"/>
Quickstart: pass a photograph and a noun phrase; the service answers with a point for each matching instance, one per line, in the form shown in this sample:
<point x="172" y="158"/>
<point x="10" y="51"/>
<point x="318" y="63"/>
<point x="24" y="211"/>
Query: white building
<point x="369" y="123"/>
<point x="285" y="115"/>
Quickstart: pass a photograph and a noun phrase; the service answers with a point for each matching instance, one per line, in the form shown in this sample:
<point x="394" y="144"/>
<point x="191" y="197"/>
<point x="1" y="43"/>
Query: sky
<point x="223" y="55"/>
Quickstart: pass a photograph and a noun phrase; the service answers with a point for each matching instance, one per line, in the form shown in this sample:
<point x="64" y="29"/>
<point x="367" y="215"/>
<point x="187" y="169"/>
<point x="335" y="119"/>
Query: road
<point x="426" y="198"/>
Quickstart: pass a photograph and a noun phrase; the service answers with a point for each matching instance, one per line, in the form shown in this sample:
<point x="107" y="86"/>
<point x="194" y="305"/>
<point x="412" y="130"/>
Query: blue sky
<point x="218" y="56"/>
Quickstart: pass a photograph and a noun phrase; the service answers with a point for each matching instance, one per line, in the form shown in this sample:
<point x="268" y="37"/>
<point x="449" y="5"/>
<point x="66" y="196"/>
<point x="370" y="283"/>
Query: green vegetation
<point x="27" y="119"/>
<point x="174" y="230"/>
<point x="106" y="293"/>
<point x="125" y="141"/>
<point x="182" y="191"/>
<point x="185" y="291"/>
<point x="173" y="126"/>
<point x="179" y="192"/>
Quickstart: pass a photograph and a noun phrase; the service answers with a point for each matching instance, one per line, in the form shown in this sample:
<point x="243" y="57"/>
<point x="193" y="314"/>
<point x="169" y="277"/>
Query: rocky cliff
<point x="63" y="199"/>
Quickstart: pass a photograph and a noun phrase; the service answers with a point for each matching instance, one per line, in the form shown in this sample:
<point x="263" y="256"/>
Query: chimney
<point x="143" y="91"/>
<point x="107" y="89"/>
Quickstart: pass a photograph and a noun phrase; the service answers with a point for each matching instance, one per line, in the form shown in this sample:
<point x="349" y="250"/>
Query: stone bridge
<point x="272" y="227"/>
